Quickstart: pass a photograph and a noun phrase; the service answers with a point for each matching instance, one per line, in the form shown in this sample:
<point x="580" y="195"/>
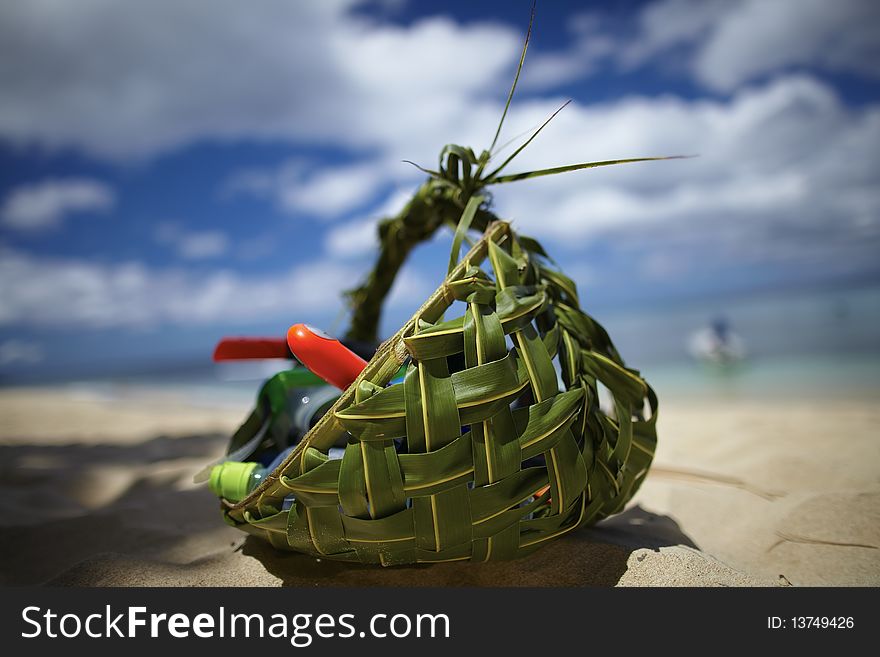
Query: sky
<point x="179" y="170"/>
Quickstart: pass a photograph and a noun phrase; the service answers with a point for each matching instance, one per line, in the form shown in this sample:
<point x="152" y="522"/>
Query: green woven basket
<point x="506" y="445"/>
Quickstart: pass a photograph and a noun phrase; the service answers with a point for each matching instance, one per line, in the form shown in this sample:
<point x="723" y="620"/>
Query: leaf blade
<point x="576" y="167"/>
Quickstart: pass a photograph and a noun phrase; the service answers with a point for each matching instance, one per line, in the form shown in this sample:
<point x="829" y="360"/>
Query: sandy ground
<point x="94" y="492"/>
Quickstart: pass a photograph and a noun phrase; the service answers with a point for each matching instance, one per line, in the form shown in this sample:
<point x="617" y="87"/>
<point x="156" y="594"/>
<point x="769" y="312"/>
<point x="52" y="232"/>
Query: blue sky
<point x="171" y="172"/>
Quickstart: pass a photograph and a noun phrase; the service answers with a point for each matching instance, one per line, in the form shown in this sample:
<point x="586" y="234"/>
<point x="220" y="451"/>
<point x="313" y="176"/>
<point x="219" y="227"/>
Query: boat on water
<point x="717" y="344"/>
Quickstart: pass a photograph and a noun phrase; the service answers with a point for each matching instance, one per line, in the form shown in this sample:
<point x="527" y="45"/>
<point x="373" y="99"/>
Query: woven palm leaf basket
<point x="494" y="442"/>
<point x="492" y="445"/>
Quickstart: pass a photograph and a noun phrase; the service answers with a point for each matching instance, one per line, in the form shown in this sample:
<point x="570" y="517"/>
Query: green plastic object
<point x="232" y="480"/>
<point x="302" y="376"/>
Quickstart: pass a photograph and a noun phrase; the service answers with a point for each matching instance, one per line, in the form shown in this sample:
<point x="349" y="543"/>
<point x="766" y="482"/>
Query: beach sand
<point x="97" y="491"/>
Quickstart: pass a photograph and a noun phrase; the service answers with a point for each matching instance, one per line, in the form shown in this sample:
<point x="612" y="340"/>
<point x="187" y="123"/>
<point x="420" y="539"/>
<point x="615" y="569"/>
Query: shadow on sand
<point x="589" y="557"/>
<point x="67" y="512"/>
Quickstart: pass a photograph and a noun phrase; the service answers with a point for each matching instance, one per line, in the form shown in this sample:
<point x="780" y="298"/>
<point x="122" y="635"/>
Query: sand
<point x="747" y="493"/>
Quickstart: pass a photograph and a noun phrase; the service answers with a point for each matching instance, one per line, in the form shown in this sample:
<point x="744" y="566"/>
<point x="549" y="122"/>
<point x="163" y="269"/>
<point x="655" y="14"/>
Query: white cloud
<point x="47" y="292"/>
<point x="590" y="47"/>
<point x="359" y="237"/>
<point x="333" y="192"/>
<point x="722" y="43"/>
<point x="205" y="244"/>
<point x="757" y="37"/>
<point x="666" y="24"/>
<point x="22" y="352"/>
<point x="352" y="238"/>
<point x="784" y="161"/>
<point x="778" y="162"/>
<point x="325" y="193"/>
<point x="616" y="208"/>
<point x="43" y="205"/>
<point x="193" y="245"/>
<point x="134" y="81"/>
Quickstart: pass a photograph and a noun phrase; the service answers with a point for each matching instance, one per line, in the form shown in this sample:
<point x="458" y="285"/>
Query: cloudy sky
<point x="172" y="171"/>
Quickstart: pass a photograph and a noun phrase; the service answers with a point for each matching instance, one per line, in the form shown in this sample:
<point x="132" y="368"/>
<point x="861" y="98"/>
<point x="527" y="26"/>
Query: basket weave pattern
<point x="482" y="442"/>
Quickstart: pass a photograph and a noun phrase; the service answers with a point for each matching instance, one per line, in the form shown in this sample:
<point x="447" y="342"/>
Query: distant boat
<point x="717" y="344"/>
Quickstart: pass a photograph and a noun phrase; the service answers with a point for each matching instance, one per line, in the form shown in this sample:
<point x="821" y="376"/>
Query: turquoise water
<point x="814" y="376"/>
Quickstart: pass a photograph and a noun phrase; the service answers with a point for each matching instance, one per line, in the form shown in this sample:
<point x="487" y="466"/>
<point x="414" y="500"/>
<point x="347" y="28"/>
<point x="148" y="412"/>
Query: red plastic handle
<point x="325" y="356"/>
<point x="250" y="348"/>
